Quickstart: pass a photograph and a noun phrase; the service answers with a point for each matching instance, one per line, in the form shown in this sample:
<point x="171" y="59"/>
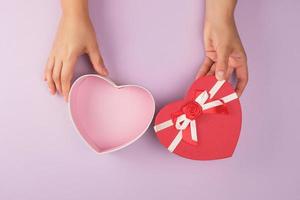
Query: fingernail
<point x="66" y="98"/>
<point x="220" y="75"/>
<point x="51" y="91"/>
<point x="104" y="71"/>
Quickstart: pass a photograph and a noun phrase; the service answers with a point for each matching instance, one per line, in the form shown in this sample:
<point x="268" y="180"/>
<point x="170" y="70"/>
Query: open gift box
<point x="107" y="116"/>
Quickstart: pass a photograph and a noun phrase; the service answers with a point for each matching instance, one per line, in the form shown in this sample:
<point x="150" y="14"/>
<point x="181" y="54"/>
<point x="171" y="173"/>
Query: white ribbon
<point x="182" y="122"/>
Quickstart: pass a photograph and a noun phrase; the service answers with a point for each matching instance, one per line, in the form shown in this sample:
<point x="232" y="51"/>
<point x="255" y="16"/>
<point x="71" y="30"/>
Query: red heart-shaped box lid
<point x="217" y="129"/>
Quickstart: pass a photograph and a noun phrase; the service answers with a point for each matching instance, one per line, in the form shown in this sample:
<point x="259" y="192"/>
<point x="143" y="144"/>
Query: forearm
<point x="216" y="10"/>
<point x="75" y="8"/>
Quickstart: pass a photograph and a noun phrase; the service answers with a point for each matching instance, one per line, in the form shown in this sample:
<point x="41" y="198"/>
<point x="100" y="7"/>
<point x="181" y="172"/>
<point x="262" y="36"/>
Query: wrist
<point x="219" y="11"/>
<point x="75" y="9"/>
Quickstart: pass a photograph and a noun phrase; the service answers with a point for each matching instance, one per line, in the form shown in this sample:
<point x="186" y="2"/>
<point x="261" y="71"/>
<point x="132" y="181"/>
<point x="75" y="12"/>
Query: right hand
<point x="75" y="36"/>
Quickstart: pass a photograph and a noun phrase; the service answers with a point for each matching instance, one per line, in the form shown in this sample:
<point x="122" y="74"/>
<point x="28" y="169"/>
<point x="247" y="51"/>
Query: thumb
<point x="222" y="63"/>
<point x="97" y="61"/>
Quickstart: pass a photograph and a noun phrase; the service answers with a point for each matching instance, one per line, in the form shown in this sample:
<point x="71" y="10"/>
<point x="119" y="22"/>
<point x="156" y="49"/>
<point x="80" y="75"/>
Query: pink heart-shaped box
<point x="107" y="116"/>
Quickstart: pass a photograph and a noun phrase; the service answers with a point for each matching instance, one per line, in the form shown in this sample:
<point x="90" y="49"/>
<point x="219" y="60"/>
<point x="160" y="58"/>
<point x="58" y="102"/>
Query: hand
<point x="75" y="37"/>
<point x="224" y="50"/>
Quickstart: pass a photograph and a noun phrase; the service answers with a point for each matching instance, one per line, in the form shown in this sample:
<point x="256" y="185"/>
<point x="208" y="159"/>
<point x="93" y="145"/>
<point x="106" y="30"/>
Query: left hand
<point x="224" y="52"/>
<point x="75" y="36"/>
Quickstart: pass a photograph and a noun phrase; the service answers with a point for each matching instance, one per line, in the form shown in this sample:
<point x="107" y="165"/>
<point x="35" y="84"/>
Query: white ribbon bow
<point x="182" y="122"/>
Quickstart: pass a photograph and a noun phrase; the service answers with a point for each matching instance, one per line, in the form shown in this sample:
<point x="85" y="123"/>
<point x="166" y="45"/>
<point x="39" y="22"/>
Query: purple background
<point x="157" y="44"/>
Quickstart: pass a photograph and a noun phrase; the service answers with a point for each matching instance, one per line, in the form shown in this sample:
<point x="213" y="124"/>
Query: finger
<point x="229" y="73"/>
<point x="45" y="72"/>
<point x="222" y="63"/>
<point x="48" y="75"/>
<point x="48" y="67"/>
<point x="56" y="75"/>
<point x="66" y="76"/>
<point x="212" y="70"/>
<point x="205" y="67"/>
<point x="97" y="61"/>
<point x="212" y="55"/>
<point x="242" y="78"/>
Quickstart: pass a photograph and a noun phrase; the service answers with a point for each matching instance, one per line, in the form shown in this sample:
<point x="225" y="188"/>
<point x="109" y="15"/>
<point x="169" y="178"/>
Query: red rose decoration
<point x="192" y="110"/>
